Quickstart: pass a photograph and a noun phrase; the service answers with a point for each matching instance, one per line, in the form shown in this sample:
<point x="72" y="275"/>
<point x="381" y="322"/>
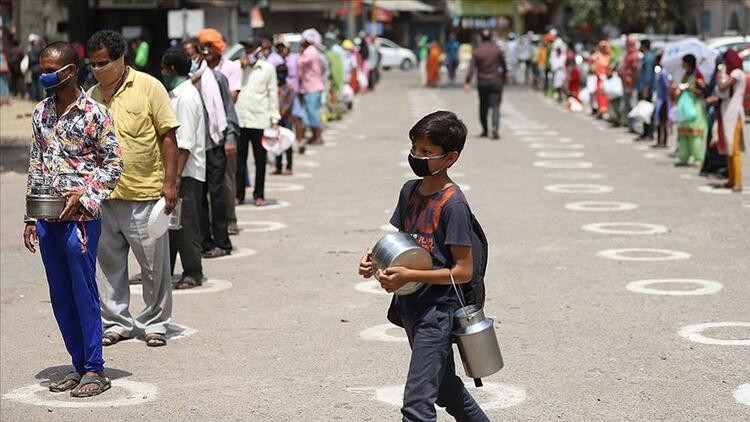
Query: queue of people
<point x="134" y="146"/>
<point x="635" y="88"/>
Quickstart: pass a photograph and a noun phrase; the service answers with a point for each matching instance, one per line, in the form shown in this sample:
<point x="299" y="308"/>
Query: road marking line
<point x="251" y="207"/>
<point x="209" y="286"/>
<point x="560" y="154"/>
<point x="380" y="333"/>
<point x="491" y="396"/>
<point x="261" y="226"/>
<point x="39" y="395"/>
<point x="283" y="187"/>
<point x="371" y="287"/>
<point x="742" y="394"/>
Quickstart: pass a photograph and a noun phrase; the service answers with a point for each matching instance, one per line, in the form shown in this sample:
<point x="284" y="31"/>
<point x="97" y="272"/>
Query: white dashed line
<point x="579" y="188"/>
<point x="600" y="206"/>
<point x="706" y="287"/>
<point x="619" y="228"/>
<point x="625" y="254"/>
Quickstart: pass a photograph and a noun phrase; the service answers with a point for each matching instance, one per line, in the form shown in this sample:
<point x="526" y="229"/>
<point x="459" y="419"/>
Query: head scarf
<point x="312" y="36"/>
<point x="732" y="60"/>
<point x="630" y="42"/>
<point x="214" y="38"/>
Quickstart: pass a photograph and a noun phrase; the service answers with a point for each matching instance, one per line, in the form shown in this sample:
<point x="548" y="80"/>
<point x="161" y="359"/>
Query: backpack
<point x="473" y="292"/>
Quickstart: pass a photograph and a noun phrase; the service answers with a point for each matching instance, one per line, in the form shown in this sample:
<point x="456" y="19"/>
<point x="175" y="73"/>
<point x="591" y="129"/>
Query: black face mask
<point x="421" y="165"/>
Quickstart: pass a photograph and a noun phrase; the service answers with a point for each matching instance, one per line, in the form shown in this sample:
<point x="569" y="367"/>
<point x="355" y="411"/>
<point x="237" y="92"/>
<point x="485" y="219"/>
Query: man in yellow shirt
<point x="146" y="127"/>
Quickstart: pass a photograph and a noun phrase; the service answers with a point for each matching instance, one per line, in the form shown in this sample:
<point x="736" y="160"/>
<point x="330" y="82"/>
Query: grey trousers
<point x="124" y="227"/>
<point x="432" y="373"/>
<point x="230" y="188"/>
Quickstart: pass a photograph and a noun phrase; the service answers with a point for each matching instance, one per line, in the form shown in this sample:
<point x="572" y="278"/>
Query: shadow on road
<point x="57" y="373"/>
<point x="14" y="158"/>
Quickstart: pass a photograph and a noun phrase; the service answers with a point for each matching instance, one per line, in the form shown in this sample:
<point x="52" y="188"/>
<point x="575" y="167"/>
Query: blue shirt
<point x="646" y="73"/>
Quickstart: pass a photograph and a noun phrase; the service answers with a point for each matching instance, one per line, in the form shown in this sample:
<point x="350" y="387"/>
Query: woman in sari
<point x="691" y="135"/>
<point x="731" y="141"/>
<point x="601" y="60"/>
<point x="433" y="64"/>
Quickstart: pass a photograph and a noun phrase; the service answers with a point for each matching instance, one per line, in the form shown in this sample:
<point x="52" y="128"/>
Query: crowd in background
<point x="632" y="87"/>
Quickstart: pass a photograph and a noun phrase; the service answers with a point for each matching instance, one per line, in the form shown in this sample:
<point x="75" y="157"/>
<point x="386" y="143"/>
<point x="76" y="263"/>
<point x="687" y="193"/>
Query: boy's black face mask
<point x="421" y="165"/>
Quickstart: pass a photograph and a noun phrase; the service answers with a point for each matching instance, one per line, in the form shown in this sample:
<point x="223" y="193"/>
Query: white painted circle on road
<point x="306" y="163"/>
<point x="38" y="395"/>
<point x="380" y="333"/>
<point x="578" y="188"/>
<point x="600" y="206"/>
<point x="706" y="287"/>
<point x="575" y="175"/>
<point x="560" y="154"/>
<point x="388" y="228"/>
<point x="295" y="175"/>
<point x="626" y="254"/>
<point x="371" y="287"/>
<point x="360" y="136"/>
<point x="719" y="190"/>
<point x="211" y="285"/>
<point x="283" y="187"/>
<point x="563" y="164"/>
<point x="654" y="155"/>
<point x="641" y="147"/>
<point x="491" y="396"/>
<point x="623" y="141"/>
<point x="695" y="333"/>
<point x="746" y="204"/>
<point x="260" y="226"/>
<point x="621" y="228"/>
<point x="330" y="144"/>
<point x="549" y="145"/>
<point x="252" y="207"/>
<point x="311" y="152"/>
<point x="742" y="394"/>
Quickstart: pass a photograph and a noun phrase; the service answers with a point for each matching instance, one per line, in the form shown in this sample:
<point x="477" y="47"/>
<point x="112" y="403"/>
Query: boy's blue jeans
<point x="432" y="373"/>
<point x="71" y="275"/>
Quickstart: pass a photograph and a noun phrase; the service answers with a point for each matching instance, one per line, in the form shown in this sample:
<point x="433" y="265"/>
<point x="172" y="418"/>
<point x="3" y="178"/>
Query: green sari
<point x="691" y="136"/>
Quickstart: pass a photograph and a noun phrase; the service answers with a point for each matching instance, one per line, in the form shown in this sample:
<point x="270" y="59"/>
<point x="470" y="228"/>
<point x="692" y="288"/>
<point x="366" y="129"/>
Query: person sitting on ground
<point x="436" y="212"/>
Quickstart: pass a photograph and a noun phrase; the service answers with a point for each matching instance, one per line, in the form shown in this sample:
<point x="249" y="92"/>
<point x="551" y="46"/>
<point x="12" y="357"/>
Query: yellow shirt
<point x="143" y="114"/>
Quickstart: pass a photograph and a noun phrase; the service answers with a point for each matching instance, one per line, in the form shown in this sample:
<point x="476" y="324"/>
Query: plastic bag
<point x="277" y="141"/>
<point x="584" y="96"/>
<point x="591" y="83"/>
<point x="686" y="111"/>
<point x="642" y="111"/>
<point x="613" y="87"/>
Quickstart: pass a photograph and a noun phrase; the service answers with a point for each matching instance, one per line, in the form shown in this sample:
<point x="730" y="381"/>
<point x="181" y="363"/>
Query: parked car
<point x="393" y="55"/>
<point x="738" y="43"/>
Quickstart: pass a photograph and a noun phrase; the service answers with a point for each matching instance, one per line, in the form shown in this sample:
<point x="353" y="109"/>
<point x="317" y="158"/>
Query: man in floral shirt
<point x="75" y="152"/>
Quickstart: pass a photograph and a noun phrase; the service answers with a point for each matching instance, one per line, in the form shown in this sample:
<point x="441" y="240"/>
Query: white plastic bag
<point x="642" y="111"/>
<point x="613" y="87"/>
<point x="24" y="65"/>
<point x="591" y="83"/>
<point x="277" y="141"/>
<point x="584" y="96"/>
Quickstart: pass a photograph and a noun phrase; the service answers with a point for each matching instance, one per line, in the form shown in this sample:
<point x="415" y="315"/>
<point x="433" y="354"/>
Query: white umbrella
<point x="705" y="57"/>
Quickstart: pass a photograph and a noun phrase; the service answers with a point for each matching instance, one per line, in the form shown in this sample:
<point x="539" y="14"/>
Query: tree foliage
<point x="592" y="16"/>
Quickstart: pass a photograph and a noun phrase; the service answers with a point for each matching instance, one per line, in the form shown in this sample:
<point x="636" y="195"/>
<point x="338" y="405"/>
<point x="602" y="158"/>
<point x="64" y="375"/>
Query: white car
<point x="393" y="55"/>
<point x="737" y="42"/>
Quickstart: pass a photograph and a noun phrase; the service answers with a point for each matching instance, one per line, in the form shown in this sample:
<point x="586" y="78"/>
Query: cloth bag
<point x="642" y="111"/>
<point x="685" y="112"/>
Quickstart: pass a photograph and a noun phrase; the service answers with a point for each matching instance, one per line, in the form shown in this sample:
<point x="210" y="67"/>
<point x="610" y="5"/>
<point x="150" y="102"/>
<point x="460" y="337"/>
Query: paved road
<point x="293" y="335"/>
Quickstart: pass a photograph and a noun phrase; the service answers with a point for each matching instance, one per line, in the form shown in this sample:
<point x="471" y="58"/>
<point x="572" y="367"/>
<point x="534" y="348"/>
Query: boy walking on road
<point x="434" y="210"/>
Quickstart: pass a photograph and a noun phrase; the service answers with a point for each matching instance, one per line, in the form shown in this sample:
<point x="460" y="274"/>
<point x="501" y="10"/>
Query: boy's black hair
<point x="113" y="41"/>
<point x="441" y="128"/>
<point x="646" y="44"/>
<point x="179" y="59"/>
<point x="64" y="50"/>
<point x="689" y="59"/>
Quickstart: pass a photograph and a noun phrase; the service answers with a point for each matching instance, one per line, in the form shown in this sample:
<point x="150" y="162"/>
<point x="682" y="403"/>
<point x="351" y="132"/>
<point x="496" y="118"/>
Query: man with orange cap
<point x="214" y="41"/>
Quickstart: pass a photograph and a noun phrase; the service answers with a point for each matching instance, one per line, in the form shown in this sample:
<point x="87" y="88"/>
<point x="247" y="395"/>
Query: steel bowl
<point x="401" y="250"/>
<point x="44" y="204"/>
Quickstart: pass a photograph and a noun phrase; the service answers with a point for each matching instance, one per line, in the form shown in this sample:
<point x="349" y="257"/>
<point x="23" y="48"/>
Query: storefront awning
<point x="401" y="5"/>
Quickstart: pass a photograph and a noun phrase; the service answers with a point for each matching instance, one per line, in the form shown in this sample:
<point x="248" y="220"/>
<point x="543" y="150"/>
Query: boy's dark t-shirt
<point x="439" y="221"/>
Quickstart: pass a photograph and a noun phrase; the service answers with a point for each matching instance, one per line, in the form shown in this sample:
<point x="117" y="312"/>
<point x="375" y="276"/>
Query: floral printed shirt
<point x="75" y="151"/>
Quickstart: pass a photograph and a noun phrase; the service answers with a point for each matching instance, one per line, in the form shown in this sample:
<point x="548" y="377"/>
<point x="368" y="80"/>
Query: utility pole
<point x="351" y="20"/>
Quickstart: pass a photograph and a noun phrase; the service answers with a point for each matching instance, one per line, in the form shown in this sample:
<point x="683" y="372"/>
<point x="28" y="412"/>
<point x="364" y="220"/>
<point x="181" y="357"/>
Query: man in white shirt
<point x="257" y="109"/>
<point x="191" y="164"/>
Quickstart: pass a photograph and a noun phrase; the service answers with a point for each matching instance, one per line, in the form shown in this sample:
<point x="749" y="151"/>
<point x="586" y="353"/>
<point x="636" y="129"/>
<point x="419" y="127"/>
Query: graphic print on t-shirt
<point x="423" y="216"/>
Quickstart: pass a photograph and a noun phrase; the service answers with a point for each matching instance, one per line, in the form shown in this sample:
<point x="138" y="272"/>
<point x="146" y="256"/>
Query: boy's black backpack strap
<point x="474" y="290"/>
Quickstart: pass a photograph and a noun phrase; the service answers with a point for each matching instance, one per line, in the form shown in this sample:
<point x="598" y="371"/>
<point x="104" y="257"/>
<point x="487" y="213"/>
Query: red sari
<point x="433" y="65"/>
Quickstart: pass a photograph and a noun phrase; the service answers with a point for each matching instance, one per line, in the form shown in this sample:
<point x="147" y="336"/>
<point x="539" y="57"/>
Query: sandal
<point x="102" y="384"/>
<point x="56" y="387"/>
<point x="111" y="338"/>
<point x="187" y="282"/>
<point x="156" y="340"/>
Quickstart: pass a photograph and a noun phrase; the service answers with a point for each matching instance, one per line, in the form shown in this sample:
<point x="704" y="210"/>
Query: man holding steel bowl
<point x="74" y="153"/>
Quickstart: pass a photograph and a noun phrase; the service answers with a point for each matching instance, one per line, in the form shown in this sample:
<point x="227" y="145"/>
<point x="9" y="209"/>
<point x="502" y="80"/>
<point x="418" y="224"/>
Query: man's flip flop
<point x="112" y="338"/>
<point x="156" y="340"/>
<point x="74" y="376"/>
<point x="102" y="384"/>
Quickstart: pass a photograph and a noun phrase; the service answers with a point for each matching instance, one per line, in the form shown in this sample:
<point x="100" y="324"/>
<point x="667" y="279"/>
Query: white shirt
<point x="258" y="103"/>
<point x="191" y="135"/>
